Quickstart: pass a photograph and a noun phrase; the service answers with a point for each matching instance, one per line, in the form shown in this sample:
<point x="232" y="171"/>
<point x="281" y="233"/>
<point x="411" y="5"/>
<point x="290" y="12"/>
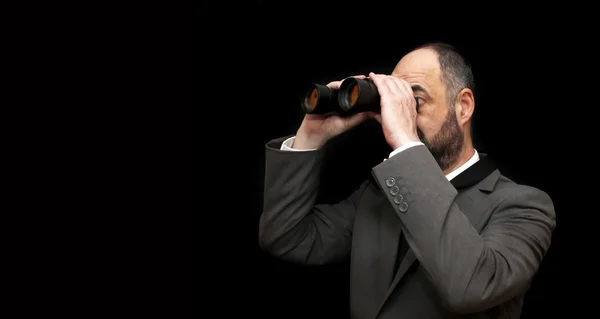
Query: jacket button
<point x="398" y="199"/>
<point x="390" y="181"/>
<point x="403" y="207"/>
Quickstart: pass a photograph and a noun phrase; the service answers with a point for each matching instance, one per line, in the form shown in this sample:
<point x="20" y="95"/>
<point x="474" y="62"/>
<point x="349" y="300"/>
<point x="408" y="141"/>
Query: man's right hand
<point x="316" y="130"/>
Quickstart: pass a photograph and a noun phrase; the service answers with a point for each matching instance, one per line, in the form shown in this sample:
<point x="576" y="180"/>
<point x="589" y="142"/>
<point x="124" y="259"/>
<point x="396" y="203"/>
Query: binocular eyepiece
<point x="354" y="96"/>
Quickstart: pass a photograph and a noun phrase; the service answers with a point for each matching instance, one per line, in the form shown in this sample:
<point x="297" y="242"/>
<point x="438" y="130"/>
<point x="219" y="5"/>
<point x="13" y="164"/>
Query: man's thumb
<point x="374" y="115"/>
<point x="356" y="119"/>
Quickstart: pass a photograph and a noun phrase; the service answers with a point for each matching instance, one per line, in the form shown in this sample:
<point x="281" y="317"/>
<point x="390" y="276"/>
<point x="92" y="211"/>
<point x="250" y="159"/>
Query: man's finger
<point x="374" y="115"/>
<point x="403" y="85"/>
<point x="377" y="117"/>
<point x="390" y="83"/>
<point x="334" y="85"/>
<point x="337" y="84"/>
<point x="379" y="82"/>
<point x="354" y="76"/>
<point x="393" y="85"/>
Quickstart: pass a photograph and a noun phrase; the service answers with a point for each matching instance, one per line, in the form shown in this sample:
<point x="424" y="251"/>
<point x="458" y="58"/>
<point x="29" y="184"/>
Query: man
<point x="440" y="233"/>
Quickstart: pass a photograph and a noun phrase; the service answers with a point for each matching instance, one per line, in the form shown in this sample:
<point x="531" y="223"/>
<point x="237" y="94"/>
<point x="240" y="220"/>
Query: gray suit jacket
<point x="472" y="246"/>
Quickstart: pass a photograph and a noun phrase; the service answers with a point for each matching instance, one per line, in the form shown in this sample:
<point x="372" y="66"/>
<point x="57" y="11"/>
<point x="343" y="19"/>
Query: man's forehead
<point x="422" y="63"/>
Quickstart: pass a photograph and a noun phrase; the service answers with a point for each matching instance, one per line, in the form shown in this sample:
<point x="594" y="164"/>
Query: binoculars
<point x="354" y="96"/>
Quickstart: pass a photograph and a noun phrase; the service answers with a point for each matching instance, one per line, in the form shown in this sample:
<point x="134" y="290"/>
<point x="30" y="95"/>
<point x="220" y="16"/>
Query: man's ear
<point x="465" y="105"/>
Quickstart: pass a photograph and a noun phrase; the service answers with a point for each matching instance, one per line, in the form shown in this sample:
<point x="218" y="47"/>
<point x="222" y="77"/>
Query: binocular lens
<point x="354" y="92"/>
<point x="358" y="95"/>
<point x="320" y="100"/>
<point x="312" y="99"/>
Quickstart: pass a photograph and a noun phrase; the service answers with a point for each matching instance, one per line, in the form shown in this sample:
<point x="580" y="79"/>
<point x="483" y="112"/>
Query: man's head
<point x="443" y="83"/>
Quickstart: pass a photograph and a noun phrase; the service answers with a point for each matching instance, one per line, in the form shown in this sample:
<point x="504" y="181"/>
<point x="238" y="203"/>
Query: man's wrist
<point x="400" y="141"/>
<point x="304" y="141"/>
<point x="404" y="147"/>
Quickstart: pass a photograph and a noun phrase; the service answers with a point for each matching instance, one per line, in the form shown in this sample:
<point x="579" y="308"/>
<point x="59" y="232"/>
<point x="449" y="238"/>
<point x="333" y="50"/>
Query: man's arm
<point x="291" y="226"/>
<point x="471" y="271"/>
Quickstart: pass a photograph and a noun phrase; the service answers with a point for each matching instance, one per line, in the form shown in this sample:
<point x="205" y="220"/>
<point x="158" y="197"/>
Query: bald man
<point x="439" y="232"/>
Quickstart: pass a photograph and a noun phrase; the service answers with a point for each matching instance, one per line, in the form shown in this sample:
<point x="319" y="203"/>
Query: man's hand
<point x="398" y="110"/>
<point x="316" y="129"/>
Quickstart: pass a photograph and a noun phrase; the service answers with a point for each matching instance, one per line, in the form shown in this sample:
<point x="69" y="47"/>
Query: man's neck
<point x="465" y="155"/>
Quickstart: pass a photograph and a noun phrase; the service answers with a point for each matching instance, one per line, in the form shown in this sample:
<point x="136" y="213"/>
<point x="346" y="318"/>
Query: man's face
<point x="437" y="125"/>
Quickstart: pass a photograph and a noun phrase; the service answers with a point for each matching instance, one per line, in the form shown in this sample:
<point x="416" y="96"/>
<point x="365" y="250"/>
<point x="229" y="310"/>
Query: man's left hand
<point x="398" y="110"/>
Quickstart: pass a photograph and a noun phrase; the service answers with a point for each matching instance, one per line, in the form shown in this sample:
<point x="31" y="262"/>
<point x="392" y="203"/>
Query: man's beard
<point x="446" y="145"/>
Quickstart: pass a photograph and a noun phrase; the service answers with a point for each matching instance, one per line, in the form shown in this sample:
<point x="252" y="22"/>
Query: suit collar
<point x="478" y="173"/>
<point x="474" y="159"/>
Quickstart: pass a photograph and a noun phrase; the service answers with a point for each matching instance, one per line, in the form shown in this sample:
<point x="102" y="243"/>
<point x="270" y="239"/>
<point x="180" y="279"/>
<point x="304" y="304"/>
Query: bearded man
<point x="439" y="232"/>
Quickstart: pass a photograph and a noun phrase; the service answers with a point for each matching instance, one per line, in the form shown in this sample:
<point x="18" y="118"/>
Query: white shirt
<point x="287" y="146"/>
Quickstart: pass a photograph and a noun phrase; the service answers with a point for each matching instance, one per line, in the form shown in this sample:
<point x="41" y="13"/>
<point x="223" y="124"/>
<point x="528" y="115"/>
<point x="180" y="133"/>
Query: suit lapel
<point x="483" y="172"/>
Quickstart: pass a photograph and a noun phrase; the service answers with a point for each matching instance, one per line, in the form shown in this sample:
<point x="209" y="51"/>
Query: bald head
<point x="421" y="68"/>
<point x="454" y="71"/>
<point x="424" y="60"/>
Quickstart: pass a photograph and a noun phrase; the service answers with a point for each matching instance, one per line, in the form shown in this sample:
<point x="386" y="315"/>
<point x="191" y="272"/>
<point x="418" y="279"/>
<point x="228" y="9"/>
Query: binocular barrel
<point x="320" y="99"/>
<point x="354" y="96"/>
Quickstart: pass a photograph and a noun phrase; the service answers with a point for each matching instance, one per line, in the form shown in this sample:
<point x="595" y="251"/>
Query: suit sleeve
<point x="471" y="271"/>
<point x="291" y="226"/>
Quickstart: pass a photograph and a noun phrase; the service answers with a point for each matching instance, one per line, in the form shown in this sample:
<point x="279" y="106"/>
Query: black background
<point x="112" y="143"/>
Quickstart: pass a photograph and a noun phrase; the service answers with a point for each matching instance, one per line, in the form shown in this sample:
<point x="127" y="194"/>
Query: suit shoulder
<point x="509" y="187"/>
<point x="511" y="193"/>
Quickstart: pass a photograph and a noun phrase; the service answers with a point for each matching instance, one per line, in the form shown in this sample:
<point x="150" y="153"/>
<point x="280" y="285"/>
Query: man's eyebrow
<point x="419" y="88"/>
